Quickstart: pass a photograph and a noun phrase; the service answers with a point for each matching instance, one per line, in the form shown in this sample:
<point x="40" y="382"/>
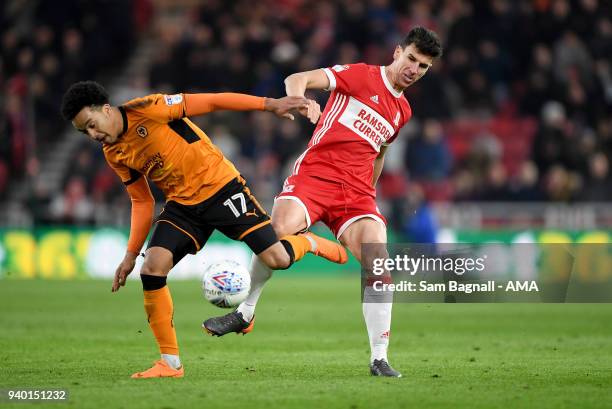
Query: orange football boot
<point x="328" y="249"/>
<point x="160" y="369"/>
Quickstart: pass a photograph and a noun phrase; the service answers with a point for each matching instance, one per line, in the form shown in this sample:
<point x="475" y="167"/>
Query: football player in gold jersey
<point x="152" y="137"/>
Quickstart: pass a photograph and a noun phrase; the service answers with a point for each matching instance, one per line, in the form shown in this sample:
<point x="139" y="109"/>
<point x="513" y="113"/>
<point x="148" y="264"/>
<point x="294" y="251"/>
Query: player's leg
<point x="294" y="210"/>
<point x="242" y="319"/>
<point x="376" y="312"/>
<point x="288" y="217"/>
<point x="236" y="213"/>
<point x="269" y="253"/>
<point x="261" y="235"/>
<point x="292" y="246"/>
<point x="159" y="309"/>
<point x="172" y="239"/>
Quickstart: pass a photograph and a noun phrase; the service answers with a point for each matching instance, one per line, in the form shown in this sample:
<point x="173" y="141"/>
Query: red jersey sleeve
<point x="347" y="79"/>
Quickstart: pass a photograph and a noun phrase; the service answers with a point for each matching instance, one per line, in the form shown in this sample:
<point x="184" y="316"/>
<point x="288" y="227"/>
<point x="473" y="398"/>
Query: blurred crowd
<point x="45" y="47"/>
<point x="519" y="108"/>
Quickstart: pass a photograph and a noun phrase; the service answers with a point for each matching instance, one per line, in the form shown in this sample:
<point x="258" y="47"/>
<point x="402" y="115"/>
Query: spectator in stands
<point x="39" y="203"/>
<point x="427" y="156"/>
<point x="540" y="80"/>
<point x="550" y="145"/>
<point x="73" y="206"/>
<point x="420" y="225"/>
<point x="496" y="186"/>
<point x="598" y="185"/>
<point x="561" y="185"/>
<point x="83" y="165"/>
<point x="524" y="187"/>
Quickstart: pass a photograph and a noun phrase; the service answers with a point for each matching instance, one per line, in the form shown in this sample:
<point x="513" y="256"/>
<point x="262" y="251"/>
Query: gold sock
<point x="160" y="311"/>
<point x="300" y="245"/>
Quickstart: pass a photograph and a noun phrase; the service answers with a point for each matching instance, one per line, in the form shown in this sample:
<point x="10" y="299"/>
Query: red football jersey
<point x="362" y="114"/>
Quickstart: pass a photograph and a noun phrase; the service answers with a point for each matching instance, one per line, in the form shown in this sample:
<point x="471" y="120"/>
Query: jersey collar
<point x="392" y="90"/>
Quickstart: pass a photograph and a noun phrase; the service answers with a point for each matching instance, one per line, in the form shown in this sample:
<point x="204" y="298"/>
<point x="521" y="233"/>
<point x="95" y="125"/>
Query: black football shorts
<point x="233" y="210"/>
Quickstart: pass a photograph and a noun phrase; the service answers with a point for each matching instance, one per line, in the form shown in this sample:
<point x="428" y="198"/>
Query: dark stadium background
<point x="518" y="110"/>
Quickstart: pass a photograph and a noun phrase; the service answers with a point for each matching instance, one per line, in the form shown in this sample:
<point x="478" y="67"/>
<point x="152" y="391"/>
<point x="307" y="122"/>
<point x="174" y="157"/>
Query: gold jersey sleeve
<point x="158" y="107"/>
<point x="175" y="154"/>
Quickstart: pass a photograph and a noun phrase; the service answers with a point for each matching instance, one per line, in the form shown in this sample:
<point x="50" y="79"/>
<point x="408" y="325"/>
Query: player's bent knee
<point x="158" y="262"/>
<point x="365" y="255"/>
<point x="283" y="228"/>
<point x="150" y="269"/>
<point x="278" y="262"/>
<point x="275" y="257"/>
<point x="288" y="218"/>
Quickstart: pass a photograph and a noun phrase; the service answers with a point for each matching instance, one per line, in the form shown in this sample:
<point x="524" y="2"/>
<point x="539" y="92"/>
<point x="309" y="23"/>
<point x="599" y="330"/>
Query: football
<point x="226" y="284"/>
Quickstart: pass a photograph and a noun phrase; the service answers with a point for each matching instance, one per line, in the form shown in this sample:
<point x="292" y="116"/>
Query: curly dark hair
<point x="426" y="41"/>
<point x="82" y="94"/>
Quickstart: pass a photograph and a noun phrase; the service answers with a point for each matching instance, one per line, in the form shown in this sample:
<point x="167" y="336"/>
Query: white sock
<point x="313" y="244"/>
<point x="378" y="322"/>
<point x="260" y="273"/>
<point x="173" y="360"/>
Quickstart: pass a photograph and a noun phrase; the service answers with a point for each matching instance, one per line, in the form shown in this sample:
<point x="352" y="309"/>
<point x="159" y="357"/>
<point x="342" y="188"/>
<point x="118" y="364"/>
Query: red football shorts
<point x="334" y="203"/>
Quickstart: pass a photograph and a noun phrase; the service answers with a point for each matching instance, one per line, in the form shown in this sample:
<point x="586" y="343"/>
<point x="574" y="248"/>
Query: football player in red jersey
<point x="334" y="180"/>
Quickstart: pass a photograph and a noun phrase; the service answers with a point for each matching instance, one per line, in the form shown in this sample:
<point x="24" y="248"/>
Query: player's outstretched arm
<point x="142" y="216"/>
<point x="199" y="104"/>
<point x="283" y="106"/>
<point x="296" y="84"/>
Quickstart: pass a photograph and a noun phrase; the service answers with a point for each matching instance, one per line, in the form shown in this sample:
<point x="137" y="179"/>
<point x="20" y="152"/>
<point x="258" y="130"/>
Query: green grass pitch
<point x="309" y="349"/>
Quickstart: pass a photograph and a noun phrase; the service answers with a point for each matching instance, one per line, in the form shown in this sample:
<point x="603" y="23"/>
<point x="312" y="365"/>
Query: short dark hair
<point x="426" y="41"/>
<point x="82" y="94"/>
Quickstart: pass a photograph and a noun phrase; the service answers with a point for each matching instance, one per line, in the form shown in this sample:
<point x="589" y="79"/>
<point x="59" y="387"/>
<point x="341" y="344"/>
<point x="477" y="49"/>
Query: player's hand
<point x="312" y="112"/>
<point x="124" y="269"/>
<point x="283" y="106"/>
